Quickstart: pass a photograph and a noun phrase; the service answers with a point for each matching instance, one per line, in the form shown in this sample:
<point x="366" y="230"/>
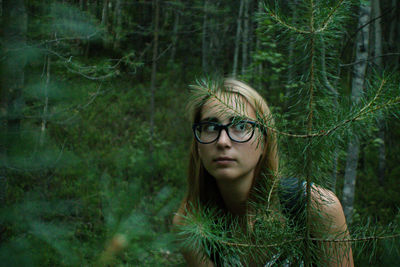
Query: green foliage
<point x="77" y="184"/>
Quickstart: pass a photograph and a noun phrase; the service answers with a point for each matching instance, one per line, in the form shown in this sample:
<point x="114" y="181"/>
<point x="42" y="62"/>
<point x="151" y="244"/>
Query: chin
<point x="225" y="174"/>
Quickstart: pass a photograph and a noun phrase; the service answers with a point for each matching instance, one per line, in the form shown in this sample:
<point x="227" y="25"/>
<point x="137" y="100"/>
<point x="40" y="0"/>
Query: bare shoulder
<point x="179" y="215"/>
<point x="329" y="208"/>
<point x="330" y="223"/>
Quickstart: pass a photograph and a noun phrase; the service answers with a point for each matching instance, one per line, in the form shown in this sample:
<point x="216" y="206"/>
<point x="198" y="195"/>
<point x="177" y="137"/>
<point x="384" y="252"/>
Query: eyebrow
<point x="209" y="119"/>
<point x="215" y="119"/>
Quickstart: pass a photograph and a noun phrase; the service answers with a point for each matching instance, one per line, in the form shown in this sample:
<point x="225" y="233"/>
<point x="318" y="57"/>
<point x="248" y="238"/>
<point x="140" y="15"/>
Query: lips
<point x="224" y="160"/>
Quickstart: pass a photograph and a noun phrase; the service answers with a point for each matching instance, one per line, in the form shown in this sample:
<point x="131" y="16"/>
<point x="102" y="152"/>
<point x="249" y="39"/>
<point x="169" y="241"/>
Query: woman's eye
<point x="210" y="128"/>
<point x="241" y="126"/>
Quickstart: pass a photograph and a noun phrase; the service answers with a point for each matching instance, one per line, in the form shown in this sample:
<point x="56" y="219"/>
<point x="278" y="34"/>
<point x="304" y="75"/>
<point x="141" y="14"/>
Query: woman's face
<point x="226" y="159"/>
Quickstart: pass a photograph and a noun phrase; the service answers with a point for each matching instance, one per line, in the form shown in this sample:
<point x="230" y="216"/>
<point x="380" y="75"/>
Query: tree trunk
<point x="153" y="80"/>
<point x="104" y="22"/>
<point x="237" y="40"/>
<point x="14" y="28"/>
<point x="258" y="70"/>
<point x="335" y="94"/>
<point x="82" y="4"/>
<point x="291" y="68"/>
<point x="175" y="36"/>
<point x="46" y="102"/>
<point x="204" y="39"/>
<point x="362" y="43"/>
<point x="14" y="41"/>
<point x="104" y="13"/>
<point x="394" y="30"/>
<point x="379" y="65"/>
<point x="117" y="24"/>
<point x="245" y="36"/>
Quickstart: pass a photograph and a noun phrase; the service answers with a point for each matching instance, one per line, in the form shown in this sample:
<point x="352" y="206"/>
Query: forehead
<point x="227" y="105"/>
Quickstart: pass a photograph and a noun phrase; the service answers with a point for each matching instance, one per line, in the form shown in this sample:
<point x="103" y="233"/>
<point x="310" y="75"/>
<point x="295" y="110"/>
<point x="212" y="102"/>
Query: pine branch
<point x="329" y="18"/>
<point x="352" y="240"/>
<point x="283" y="23"/>
<point x="367" y="109"/>
<point x="347" y="240"/>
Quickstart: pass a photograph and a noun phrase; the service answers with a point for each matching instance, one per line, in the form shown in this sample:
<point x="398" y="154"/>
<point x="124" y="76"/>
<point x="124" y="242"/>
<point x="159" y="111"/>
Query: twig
<point x="280" y="21"/>
<point x="368" y="59"/>
<point x="347" y="240"/>
<point x="328" y="19"/>
<point x="323" y="133"/>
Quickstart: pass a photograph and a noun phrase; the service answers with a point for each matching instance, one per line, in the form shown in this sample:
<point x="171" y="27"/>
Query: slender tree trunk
<point x="46" y="102"/>
<point x="104" y="13"/>
<point x="245" y="43"/>
<point x="104" y="22"/>
<point x="237" y="40"/>
<point x="335" y="94"/>
<point x="175" y="36"/>
<point x="259" y="69"/>
<point x="153" y="80"/>
<point x="204" y="39"/>
<point x="117" y="23"/>
<point x="393" y="32"/>
<point x="13" y="76"/>
<point x="379" y="65"/>
<point x="82" y="4"/>
<point x="362" y="43"/>
<point x="291" y="69"/>
<point x="14" y="28"/>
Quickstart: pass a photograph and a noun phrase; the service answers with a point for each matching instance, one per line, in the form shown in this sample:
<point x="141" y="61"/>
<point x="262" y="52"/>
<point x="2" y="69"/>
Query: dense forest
<point x="95" y="141"/>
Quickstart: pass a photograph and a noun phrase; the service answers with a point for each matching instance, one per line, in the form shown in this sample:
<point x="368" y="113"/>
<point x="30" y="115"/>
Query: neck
<point x="235" y="193"/>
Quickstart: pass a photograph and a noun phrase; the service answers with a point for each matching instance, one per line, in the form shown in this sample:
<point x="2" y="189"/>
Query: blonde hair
<point x="202" y="187"/>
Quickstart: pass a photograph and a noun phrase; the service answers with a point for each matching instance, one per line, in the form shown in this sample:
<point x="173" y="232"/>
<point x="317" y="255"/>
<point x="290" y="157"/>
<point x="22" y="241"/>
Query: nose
<point x="224" y="140"/>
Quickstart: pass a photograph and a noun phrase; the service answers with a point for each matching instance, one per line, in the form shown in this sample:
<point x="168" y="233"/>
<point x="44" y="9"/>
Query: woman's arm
<point x="330" y="223"/>
<point x="193" y="258"/>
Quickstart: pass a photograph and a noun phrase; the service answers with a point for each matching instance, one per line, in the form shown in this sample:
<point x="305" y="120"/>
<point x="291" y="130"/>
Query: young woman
<point x="232" y="157"/>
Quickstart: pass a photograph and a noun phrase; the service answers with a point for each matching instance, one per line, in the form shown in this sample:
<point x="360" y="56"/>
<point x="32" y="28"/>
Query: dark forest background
<point x="94" y="137"/>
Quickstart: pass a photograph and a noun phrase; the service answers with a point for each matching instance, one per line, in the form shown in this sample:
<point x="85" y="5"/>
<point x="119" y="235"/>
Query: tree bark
<point x="362" y="43"/>
<point x="237" y="40"/>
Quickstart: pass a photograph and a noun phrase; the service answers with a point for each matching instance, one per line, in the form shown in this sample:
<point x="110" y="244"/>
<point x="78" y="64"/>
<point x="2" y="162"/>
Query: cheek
<point x="254" y="153"/>
<point x="203" y="152"/>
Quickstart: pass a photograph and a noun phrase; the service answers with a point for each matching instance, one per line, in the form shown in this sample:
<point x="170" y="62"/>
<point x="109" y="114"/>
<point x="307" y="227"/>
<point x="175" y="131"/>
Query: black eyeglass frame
<point x="225" y="127"/>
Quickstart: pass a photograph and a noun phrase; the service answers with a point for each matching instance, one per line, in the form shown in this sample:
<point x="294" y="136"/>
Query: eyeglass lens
<point x="238" y="132"/>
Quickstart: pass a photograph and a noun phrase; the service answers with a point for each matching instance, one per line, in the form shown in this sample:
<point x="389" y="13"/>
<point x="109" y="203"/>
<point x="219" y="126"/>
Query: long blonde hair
<point x="202" y="187"/>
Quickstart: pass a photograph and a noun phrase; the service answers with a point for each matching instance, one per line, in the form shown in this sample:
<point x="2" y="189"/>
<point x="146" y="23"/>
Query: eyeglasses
<point x="208" y="132"/>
